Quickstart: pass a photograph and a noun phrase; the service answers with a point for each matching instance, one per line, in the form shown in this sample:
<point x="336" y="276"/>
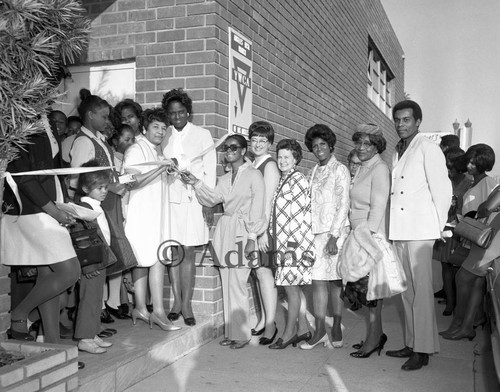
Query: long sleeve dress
<point x="187" y="223"/>
<point x="330" y="209"/>
<point x="292" y="221"/>
<point x="369" y="196"/>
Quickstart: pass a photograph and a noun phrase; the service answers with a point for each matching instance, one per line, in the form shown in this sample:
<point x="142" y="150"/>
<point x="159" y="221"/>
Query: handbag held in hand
<point x="88" y="245"/>
<point x="477" y="232"/>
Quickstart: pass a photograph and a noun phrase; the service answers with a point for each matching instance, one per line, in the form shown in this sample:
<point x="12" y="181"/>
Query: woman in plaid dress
<point x="291" y="228"/>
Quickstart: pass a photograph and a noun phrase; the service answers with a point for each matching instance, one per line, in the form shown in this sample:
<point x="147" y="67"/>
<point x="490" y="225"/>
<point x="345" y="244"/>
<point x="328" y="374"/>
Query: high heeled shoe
<point x="258" y="332"/>
<point x="460" y="336"/>
<point x="280" y="344"/>
<point x="138" y="315"/>
<point x="339" y="343"/>
<point x="379" y="347"/>
<point x="154" y="319"/>
<point x="172" y="316"/>
<point x="263" y="341"/>
<point x="358" y="346"/>
<point x="19" y="335"/>
<point x="304" y="337"/>
<point x="325" y="340"/>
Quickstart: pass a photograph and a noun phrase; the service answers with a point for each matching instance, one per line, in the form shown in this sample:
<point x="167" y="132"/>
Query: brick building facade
<point x="321" y="61"/>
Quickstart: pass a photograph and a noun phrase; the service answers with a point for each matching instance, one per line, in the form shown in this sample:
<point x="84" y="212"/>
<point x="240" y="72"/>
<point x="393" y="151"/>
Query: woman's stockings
<point x="51" y="282"/>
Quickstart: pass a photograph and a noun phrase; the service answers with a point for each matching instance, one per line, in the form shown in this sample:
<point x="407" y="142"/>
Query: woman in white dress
<point x="192" y="147"/>
<point x="37" y="236"/>
<point x="146" y="226"/>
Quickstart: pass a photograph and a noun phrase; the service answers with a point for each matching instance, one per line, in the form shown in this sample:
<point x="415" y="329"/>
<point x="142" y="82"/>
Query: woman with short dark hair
<point x="193" y="149"/>
<point x="330" y="207"/>
<point x="261" y="134"/>
<point x="147" y="220"/>
<point x="470" y="279"/>
<point x="241" y="191"/>
<point x="130" y="113"/>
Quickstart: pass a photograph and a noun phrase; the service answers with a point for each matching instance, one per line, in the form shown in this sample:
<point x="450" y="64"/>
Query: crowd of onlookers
<point x="358" y="233"/>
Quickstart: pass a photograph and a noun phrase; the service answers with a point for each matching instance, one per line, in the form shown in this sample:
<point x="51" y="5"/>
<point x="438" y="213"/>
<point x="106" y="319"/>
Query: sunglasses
<point x="232" y="147"/>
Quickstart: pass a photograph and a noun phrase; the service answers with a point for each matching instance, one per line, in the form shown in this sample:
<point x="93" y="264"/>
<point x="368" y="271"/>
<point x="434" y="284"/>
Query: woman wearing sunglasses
<point x="241" y="191"/>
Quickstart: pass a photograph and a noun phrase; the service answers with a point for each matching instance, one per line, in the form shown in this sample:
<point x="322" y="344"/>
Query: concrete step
<point x="138" y="352"/>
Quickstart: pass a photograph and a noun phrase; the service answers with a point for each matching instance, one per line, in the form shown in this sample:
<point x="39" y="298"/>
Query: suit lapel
<point x="398" y="164"/>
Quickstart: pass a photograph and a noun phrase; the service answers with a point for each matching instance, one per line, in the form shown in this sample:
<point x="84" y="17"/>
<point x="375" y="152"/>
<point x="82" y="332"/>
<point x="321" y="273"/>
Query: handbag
<point x="387" y="277"/>
<point x="477" y="232"/>
<point x="89" y="246"/>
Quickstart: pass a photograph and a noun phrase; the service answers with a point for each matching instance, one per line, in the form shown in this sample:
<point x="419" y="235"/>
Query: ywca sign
<point x="240" y="83"/>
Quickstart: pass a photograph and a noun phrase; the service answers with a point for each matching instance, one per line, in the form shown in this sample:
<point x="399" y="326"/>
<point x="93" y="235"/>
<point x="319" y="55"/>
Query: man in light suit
<point x="419" y="202"/>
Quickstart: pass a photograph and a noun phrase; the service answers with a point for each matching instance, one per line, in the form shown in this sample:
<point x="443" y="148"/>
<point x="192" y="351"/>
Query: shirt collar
<point x="93" y="202"/>
<point x="403" y="144"/>
<point x="260" y="160"/>
<point x="98" y="135"/>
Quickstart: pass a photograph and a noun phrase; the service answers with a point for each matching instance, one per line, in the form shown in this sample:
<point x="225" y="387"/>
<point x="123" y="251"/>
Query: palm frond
<point x="36" y="37"/>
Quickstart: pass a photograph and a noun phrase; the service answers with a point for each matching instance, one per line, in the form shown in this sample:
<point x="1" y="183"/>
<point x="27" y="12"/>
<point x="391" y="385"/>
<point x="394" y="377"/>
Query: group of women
<point x="292" y="229"/>
<point x="289" y="228"/>
<point x="475" y="195"/>
<point x="155" y="206"/>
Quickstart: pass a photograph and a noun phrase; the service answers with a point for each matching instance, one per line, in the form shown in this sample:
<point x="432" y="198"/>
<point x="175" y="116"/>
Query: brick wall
<point x="47" y="367"/>
<point x="4" y="300"/>
<point x="310" y="61"/>
<point x="310" y="58"/>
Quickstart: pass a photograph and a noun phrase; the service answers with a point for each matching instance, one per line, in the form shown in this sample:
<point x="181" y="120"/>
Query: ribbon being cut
<point x="126" y="178"/>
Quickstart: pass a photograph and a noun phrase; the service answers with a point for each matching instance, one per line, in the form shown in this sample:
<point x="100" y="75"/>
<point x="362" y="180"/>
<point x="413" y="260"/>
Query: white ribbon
<point x="78" y="170"/>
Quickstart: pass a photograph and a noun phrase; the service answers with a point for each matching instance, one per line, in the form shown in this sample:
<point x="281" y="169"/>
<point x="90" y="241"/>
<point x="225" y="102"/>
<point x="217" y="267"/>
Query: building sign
<point x="240" y="83"/>
<point x="435" y="136"/>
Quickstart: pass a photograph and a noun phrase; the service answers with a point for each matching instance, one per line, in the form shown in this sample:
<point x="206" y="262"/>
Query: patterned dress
<point x="330" y="208"/>
<point x="292" y="206"/>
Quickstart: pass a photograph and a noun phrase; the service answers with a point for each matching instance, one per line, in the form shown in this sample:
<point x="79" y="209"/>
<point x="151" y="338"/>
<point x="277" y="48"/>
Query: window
<point x="380" y="81"/>
<point x="112" y="82"/>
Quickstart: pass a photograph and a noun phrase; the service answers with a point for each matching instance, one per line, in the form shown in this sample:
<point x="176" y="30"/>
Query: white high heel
<point x="325" y="340"/>
<point x="339" y="343"/>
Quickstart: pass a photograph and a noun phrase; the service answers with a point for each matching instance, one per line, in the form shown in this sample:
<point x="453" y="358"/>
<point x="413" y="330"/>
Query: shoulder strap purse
<point x="477" y="232"/>
<point x="88" y="245"/>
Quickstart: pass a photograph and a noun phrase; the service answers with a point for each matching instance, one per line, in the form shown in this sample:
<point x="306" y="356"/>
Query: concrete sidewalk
<point x="460" y="366"/>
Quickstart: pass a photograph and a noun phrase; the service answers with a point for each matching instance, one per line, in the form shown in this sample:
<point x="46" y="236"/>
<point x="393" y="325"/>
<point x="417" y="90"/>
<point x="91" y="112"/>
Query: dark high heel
<point x="258" y="332"/>
<point x="304" y="337"/>
<point x="280" y="345"/>
<point x="19" y="335"/>
<point x="172" y="316"/>
<point x="263" y="341"/>
<point x="379" y="347"/>
<point x="358" y="346"/>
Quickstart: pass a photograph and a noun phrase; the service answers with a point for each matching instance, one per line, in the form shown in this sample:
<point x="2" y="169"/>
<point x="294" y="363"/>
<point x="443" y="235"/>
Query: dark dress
<point x="267" y="259"/>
